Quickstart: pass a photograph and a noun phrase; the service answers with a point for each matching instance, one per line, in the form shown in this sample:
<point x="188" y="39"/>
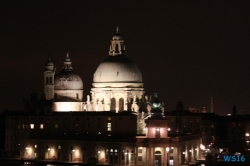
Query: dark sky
<point x="186" y="51"/>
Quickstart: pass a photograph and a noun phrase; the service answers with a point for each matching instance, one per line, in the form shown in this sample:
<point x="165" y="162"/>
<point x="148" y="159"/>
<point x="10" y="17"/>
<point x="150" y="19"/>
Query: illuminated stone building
<point x="116" y="124"/>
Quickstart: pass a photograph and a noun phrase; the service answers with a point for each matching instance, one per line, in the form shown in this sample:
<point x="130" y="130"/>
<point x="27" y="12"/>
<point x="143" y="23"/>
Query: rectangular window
<point x="23" y="126"/>
<point x="139" y="158"/>
<point x="41" y="126"/>
<point x="109" y="118"/>
<point x="32" y="126"/>
<point x="56" y="126"/>
<point x="139" y="150"/>
<point x="109" y="126"/>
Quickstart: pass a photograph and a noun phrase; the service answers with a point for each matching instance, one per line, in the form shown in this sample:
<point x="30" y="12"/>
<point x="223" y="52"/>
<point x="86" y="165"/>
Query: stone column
<point x="116" y="104"/>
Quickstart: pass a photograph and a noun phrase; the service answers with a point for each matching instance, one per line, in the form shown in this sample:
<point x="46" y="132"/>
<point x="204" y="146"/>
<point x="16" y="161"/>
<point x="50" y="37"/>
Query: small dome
<point x="68" y="80"/>
<point x="117" y="69"/>
<point x="156" y="104"/>
<point x="49" y="62"/>
<point x="117" y="36"/>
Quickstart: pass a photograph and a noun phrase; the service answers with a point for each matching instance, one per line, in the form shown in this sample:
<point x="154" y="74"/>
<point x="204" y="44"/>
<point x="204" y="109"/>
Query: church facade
<point x="116" y="124"/>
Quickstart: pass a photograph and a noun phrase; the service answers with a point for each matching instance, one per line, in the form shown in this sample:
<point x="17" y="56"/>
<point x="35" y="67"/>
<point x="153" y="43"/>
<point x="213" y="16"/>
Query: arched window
<point x="113" y="104"/>
<point x="158" y="152"/>
<point x="121" y="104"/>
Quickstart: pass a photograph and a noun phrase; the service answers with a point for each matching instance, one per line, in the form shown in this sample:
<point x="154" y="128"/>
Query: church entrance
<point x="157" y="158"/>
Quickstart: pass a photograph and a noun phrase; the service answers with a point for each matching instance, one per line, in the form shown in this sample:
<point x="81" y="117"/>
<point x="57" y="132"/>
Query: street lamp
<point x="167" y="149"/>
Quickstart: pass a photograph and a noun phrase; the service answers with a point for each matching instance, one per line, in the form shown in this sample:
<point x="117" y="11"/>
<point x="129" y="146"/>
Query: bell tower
<point x="49" y="84"/>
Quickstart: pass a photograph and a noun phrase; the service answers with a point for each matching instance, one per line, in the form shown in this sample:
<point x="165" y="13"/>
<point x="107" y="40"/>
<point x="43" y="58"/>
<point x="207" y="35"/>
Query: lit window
<point x="109" y="126"/>
<point x="56" y="126"/>
<point x="32" y="126"/>
<point x="109" y="118"/>
<point x="35" y="146"/>
<point x="23" y="126"/>
<point x="111" y="150"/>
<point x="41" y="126"/>
<point x="59" y="147"/>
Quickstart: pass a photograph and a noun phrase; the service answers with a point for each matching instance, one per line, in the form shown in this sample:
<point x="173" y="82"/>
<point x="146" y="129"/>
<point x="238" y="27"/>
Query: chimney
<point x="212" y="105"/>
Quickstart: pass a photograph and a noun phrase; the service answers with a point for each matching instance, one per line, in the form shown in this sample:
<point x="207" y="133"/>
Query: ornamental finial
<point x="67" y="55"/>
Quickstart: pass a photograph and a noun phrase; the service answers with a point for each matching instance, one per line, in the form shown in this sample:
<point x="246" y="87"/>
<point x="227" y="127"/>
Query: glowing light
<point x="190" y="150"/>
<point x="98" y="151"/>
<point x="157" y="129"/>
<point x="26" y="148"/>
<point x="202" y="147"/>
<point x="247" y="134"/>
<point x="169" y="129"/>
<point x="183" y="152"/>
<point x="48" y="149"/>
<point x="167" y="149"/>
<point x="64" y="106"/>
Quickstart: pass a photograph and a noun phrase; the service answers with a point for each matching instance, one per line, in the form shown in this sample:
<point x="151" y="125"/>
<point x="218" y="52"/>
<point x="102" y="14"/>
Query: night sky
<point x="186" y="51"/>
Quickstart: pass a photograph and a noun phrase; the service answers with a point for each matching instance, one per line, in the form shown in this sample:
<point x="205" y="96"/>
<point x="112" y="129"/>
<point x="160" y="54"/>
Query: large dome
<point x="68" y="80"/>
<point x="117" y="69"/>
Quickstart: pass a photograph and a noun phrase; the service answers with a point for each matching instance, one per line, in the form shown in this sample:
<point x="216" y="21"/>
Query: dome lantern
<point x="117" y="46"/>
